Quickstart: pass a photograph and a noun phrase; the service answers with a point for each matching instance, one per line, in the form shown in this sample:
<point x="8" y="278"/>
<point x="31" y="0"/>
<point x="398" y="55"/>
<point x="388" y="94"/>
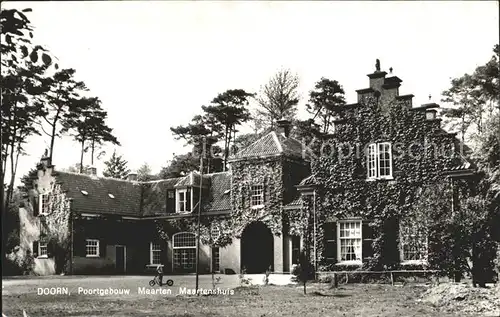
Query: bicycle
<point x="156" y="281"/>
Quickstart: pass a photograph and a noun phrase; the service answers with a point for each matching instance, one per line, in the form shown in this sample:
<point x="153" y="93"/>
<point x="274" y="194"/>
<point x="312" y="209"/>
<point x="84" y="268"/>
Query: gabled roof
<point x="91" y="194"/>
<point x="110" y="196"/>
<point x="271" y="144"/>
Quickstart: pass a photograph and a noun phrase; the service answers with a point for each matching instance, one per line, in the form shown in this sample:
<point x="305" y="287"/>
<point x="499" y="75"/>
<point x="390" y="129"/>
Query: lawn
<point x="347" y="300"/>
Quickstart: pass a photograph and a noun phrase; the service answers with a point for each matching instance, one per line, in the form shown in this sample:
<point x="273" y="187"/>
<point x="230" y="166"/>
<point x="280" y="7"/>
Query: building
<point x="278" y="197"/>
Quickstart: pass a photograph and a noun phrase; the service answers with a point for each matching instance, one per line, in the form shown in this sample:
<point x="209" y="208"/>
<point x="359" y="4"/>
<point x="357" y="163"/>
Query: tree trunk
<point x="53" y="137"/>
<point x="92" y="153"/>
<point x="81" y="156"/>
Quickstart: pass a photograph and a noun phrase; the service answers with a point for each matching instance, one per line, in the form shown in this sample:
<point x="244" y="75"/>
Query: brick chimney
<point x="284" y="127"/>
<point x="92" y="170"/>
<point x="132" y="177"/>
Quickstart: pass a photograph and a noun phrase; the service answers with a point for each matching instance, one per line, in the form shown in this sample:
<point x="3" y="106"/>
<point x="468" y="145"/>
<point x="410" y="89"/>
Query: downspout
<point x="71" y="235"/>
<point x="314" y="230"/>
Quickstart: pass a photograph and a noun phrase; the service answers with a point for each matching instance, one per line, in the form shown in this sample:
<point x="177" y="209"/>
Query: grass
<point x="347" y="300"/>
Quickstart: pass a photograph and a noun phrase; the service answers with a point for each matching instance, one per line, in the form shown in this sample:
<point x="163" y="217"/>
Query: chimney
<point x="132" y="177"/>
<point x="284" y="127"/>
<point x="92" y="170"/>
<point x="45" y="160"/>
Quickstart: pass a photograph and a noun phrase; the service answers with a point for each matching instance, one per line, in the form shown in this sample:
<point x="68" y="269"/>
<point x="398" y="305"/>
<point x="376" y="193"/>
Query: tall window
<point x="349" y="241"/>
<point x="42" y="249"/>
<point x="256" y="195"/>
<point x="184" y="248"/>
<point x="154" y="253"/>
<point x="92" y="248"/>
<point x="44" y="204"/>
<point x="413" y="238"/>
<point x="183" y="200"/>
<point x="379" y="160"/>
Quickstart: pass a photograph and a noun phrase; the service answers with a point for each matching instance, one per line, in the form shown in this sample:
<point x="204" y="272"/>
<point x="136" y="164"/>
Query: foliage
<point x="323" y="101"/>
<point x="55" y="227"/>
<point x="278" y="98"/>
<point x="144" y="173"/>
<point x="116" y="167"/>
<point x="344" y="190"/>
<point x="87" y="123"/>
<point x="474" y="97"/>
<point x="23" y="68"/>
<point x="180" y="165"/>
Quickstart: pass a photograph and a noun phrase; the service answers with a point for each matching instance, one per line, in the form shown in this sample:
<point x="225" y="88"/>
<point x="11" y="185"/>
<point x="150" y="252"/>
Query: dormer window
<point x="379" y="161"/>
<point x="256" y="196"/>
<point x="184" y="198"/>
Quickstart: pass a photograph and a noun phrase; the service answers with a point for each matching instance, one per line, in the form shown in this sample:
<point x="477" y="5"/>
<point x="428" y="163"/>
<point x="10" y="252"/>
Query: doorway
<point x="121" y="259"/>
<point x="257" y="245"/>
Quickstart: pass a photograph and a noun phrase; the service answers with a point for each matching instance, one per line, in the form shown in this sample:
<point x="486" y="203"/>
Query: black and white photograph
<point x="250" y="158"/>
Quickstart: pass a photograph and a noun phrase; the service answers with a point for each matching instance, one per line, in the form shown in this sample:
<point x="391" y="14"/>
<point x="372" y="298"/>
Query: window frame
<point x="46" y="247"/>
<point x="259" y="196"/>
<point x="87" y="255"/>
<point x="151" y="253"/>
<point x="42" y="203"/>
<point x="182" y="247"/>
<point x="185" y="201"/>
<point x="423" y="259"/>
<point x="339" y="244"/>
<point x="373" y="160"/>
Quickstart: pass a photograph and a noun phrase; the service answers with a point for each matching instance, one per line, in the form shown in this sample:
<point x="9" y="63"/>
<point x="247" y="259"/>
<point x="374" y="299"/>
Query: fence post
<point x="392" y="279"/>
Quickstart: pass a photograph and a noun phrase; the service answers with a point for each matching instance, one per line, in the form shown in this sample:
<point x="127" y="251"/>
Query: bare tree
<point x="278" y="98"/>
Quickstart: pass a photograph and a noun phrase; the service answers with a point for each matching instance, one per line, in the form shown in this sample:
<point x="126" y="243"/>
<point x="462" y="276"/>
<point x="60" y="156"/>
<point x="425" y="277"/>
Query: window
<point x="183" y="200"/>
<point x="379" y="160"/>
<point x="413" y="237"/>
<point x="349" y="241"/>
<point x="256" y="195"/>
<point x="44" y="204"/>
<point x="154" y="253"/>
<point x="92" y="248"/>
<point x="171" y="194"/>
<point x="184" y="248"/>
<point x="42" y="249"/>
<point x="215" y="259"/>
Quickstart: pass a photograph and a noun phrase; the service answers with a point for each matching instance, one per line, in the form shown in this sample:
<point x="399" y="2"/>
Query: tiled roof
<point x="271" y="144"/>
<point x="220" y="196"/>
<point x="294" y="204"/>
<point x="127" y="195"/>
<point x="309" y="180"/>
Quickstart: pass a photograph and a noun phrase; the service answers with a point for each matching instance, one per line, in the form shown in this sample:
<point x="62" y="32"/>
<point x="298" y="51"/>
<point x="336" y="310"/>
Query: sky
<point x="155" y="63"/>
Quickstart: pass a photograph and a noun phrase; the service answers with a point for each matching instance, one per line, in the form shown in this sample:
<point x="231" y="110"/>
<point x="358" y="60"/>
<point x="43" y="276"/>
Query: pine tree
<point x="116" y="167"/>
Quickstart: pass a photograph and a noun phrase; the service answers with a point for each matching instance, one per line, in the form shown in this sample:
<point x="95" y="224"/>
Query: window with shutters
<point x="256" y="196"/>
<point x="154" y="253"/>
<point x="184" y="249"/>
<point x="92" y="248"/>
<point x="413" y="242"/>
<point x="379" y="161"/>
<point x="184" y="202"/>
<point x="349" y="242"/>
<point x="44" y="204"/>
<point x="43" y="249"/>
<point x="330" y="241"/>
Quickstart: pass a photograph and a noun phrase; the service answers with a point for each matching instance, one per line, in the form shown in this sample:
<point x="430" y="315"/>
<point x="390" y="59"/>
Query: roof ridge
<point x="95" y="176"/>
<point x="277" y="141"/>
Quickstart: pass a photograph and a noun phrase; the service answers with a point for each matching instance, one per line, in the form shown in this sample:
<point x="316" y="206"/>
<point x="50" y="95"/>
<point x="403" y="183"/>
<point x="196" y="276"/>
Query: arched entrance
<point x="257" y="248"/>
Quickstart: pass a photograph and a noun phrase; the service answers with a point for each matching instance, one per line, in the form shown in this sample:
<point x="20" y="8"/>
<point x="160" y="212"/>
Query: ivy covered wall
<point x="421" y="152"/>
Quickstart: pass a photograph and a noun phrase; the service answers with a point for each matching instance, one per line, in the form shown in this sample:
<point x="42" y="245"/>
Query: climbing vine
<point x="421" y="151"/>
